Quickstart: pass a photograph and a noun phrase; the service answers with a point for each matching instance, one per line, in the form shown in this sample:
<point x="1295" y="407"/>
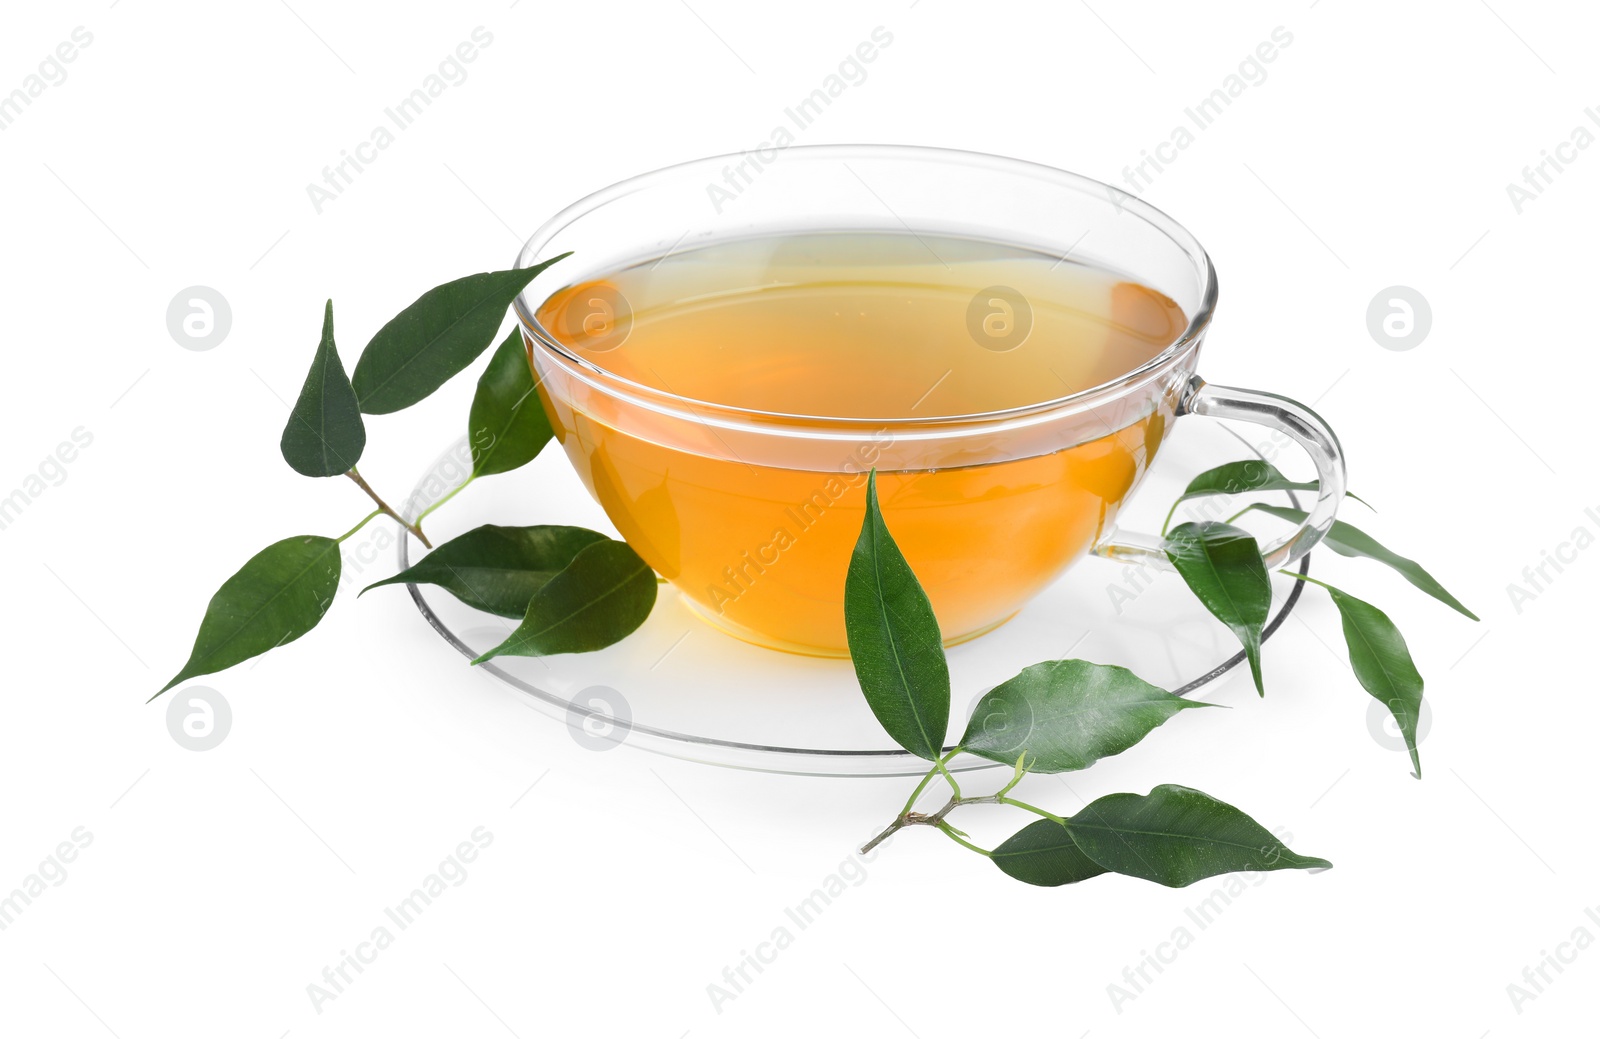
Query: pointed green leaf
<point x="1067" y="714"/>
<point x="435" y="337"/>
<point x="1238" y="477"/>
<point x="1252" y="474"/>
<point x="325" y="435"/>
<point x="1383" y="664"/>
<point x="507" y="426"/>
<point x="599" y="599"/>
<point x="1222" y="565"/>
<point x="1349" y="541"/>
<point x="279" y="595"/>
<point x="894" y="639"/>
<point x="498" y="569"/>
<point x="1175" y="836"/>
<point x="1044" y="854"/>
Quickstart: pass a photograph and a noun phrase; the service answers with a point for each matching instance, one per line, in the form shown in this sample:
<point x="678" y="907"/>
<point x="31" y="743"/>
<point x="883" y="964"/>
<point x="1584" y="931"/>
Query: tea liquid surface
<point x="863" y="326"/>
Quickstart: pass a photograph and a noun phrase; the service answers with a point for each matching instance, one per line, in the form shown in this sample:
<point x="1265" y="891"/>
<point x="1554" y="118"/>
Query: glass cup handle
<point x="1296" y="420"/>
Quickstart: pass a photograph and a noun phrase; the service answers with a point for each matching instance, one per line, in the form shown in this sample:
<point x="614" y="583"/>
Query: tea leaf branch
<point x="1052" y="717"/>
<point x="1378" y="652"/>
<point x="575" y="590"/>
<point x="415" y="529"/>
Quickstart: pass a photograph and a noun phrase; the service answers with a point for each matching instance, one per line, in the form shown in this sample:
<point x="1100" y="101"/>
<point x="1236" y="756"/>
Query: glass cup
<point x="988" y="508"/>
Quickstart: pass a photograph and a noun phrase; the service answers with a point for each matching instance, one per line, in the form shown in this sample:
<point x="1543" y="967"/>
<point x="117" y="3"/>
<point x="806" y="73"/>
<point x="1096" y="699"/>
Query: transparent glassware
<point x="893" y="189"/>
<point x="678" y="688"/>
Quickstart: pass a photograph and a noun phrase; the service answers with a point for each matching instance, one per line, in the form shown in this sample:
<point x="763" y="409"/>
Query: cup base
<point x="756" y="638"/>
<point x="700" y="696"/>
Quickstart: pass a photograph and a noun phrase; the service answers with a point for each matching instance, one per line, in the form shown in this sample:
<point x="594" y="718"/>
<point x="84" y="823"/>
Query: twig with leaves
<point x="574" y="590"/>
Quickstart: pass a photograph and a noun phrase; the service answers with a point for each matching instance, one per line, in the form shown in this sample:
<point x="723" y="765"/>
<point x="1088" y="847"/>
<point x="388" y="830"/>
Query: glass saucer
<point x="681" y="688"/>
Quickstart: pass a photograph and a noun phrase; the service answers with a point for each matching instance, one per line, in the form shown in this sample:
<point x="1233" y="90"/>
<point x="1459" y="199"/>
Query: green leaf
<point x="325" y="435"/>
<point x="1222" y="566"/>
<point x="1066" y="715"/>
<point x="1382" y="663"/>
<point x="279" y="595"/>
<point x="1252" y="474"/>
<point x="1175" y="836"/>
<point x="435" y="337"/>
<point x="498" y="569"/>
<point x="1349" y="541"/>
<point x="1044" y="854"/>
<point x="507" y="426"/>
<point x="894" y="639"/>
<point x="601" y="597"/>
<point x="1239" y="477"/>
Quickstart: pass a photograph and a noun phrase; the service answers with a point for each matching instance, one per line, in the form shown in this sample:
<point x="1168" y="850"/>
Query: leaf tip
<point x="1252" y="652"/>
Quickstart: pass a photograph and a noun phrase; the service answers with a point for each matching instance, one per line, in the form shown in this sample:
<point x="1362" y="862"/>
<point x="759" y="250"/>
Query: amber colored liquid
<point x="862" y="326"/>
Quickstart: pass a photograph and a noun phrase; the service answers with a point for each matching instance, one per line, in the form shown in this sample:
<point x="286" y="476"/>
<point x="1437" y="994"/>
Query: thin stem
<point x="949" y="806"/>
<point x="457" y="490"/>
<point x="918" y="791"/>
<point x="950" y="832"/>
<point x="345" y="536"/>
<point x="888" y="831"/>
<point x="1016" y="776"/>
<point x="1170" y="513"/>
<point x="1312" y="580"/>
<point x="1236" y="515"/>
<point x="1251" y="508"/>
<point x="951" y="779"/>
<point x="909" y="818"/>
<point x="1014" y="803"/>
<point x="383" y="507"/>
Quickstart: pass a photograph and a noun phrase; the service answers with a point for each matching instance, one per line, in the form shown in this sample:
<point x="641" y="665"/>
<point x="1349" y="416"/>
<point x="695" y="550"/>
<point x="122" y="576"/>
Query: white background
<point x="219" y="884"/>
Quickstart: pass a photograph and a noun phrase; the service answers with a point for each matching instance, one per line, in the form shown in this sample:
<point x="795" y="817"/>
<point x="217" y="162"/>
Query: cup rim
<point x="731" y="416"/>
